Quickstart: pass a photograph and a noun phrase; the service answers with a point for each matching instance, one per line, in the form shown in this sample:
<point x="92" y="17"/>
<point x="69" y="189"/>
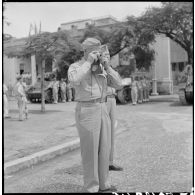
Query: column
<point x="154" y="80"/>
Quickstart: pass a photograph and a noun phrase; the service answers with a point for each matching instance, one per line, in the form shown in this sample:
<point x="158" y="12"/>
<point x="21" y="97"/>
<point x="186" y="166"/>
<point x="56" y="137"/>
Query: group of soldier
<point x="61" y="91"/>
<point x="140" y="89"/>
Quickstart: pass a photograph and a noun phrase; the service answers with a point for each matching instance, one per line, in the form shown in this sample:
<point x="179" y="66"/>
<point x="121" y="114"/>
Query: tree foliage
<point x="175" y="20"/>
<point x="130" y="35"/>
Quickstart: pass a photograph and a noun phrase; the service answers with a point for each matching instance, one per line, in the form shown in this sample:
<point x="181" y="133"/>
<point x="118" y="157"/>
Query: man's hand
<point x="93" y="57"/>
<point x="105" y="61"/>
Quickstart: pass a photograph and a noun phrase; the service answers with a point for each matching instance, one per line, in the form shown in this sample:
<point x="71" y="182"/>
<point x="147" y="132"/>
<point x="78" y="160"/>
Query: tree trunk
<point x="190" y="57"/>
<point x="42" y="86"/>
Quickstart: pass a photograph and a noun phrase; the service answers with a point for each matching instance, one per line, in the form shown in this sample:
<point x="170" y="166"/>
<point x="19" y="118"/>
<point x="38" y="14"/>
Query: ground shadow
<point x="179" y="104"/>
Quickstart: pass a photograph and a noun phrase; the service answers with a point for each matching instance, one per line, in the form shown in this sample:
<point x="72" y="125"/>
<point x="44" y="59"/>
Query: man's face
<point x="91" y="49"/>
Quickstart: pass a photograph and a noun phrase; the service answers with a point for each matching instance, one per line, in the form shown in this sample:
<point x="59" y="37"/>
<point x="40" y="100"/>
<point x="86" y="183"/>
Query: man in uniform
<point x="63" y="90"/>
<point x="134" y="89"/>
<point x="55" y="88"/>
<point x="6" y="102"/>
<point x="69" y="91"/>
<point x="111" y="107"/>
<point x="92" y="118"/>
<point x="21" y="98"/>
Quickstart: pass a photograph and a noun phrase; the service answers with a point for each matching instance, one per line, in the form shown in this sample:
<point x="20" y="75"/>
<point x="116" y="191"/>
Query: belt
<point x="98" y="100"/>
<point x="111" y="96"/>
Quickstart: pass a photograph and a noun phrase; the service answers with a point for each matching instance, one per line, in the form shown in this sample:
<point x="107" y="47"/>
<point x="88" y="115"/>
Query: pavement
<point x="155" y="150"/>
<point x="47" y="135"/>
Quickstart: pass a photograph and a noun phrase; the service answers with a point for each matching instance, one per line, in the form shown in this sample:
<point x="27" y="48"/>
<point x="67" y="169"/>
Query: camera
<point x="103" y="52"/>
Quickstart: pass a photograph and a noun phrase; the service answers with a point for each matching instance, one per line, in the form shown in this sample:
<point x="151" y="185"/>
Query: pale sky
<point x="52" y="14"/>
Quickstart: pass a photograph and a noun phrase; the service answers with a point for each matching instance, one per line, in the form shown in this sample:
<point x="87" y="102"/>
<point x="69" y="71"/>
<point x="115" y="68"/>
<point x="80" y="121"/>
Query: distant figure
<point x="69" y="91"/>
<point x="140" y="90"/>
<point x="21" y="98"/>
<point x="144" y="85"/>
<point x="134" y="90"/>
<point x="55" y="88"/>
<point x="147" y="89"/>
<point x="63" y="90"/>
<point x="5" y="101"/>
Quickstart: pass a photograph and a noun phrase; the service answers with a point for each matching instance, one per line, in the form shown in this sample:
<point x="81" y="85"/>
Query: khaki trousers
<point x="63" y="94"/>
<point x="55" y="95"/>
<point x="93" y="124"/>
<point x="111" y="107"/>
<point x="21" y="107"/>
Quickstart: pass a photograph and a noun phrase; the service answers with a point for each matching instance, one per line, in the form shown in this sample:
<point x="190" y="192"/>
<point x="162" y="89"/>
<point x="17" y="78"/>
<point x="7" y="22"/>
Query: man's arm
<point x="113" y="78"/>
<point x="77" y="73"/>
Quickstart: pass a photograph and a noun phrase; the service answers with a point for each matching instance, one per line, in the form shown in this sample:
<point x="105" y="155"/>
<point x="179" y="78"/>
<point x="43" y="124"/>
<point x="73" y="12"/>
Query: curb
<point x="28" y="161"/>
<point x="44" y="155"/>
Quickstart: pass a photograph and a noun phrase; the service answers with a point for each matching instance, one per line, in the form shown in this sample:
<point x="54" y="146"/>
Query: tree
<point x="129" y="34"/>
<point x="175" y="20"/>
<point x="49" y="45"/>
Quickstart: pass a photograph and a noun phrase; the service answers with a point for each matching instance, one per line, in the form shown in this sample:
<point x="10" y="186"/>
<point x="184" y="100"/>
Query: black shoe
<point x="115" y="168"/>
<point x="110" y="189"/>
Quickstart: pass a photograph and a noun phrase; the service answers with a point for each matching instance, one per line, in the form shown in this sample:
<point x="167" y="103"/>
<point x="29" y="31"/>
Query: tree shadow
<point x="179" y="104"/>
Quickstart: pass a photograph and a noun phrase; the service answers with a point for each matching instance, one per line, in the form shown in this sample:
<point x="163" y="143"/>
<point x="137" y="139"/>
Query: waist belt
<point x="99" y="100"/>
<point x="111" y="96"/>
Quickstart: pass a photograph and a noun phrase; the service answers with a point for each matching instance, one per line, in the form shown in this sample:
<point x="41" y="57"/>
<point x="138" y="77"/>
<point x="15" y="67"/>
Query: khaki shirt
<point x="89" y="86"/>
<point x="19" y="90"/>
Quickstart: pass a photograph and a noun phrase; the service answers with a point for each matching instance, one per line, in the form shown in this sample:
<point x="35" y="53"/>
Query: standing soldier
<point x="69" y="91"/>
<point x="63" y="90"/>
<point x="20" y="97"/>
<point x="147" y="89"/>
<point x="6" y="102"/>
<point x="92" y="118"/>
<point x="111" y="107"/>
<point x="134" y="90"/>
<point x="55" y="88"/>
<point x="140" y="90"/>
<point x="144" y="84"/>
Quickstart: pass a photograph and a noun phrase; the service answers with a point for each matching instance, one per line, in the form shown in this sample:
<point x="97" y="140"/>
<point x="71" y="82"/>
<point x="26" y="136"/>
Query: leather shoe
<point x="110" y="189"/>
<point x="115" y="168"/>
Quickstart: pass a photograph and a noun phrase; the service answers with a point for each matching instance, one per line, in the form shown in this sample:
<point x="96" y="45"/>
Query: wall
<point x="9" y="70"/>
<point x="11" y="66"/>
<point x="178" y="54"/>
<point x="163" y="64"/>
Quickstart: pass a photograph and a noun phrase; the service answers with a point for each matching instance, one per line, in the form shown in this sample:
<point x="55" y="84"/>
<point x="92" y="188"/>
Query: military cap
<point x="90" y="42"/>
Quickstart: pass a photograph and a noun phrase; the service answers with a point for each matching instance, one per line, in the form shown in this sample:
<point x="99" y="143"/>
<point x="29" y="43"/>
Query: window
<point x="174" y="66"/>
<point x="181" y="66"/>
<point x="21" y="69"/>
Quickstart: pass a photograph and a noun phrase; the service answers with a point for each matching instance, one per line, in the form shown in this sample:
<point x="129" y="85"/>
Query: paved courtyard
<point x="155" y="149"/>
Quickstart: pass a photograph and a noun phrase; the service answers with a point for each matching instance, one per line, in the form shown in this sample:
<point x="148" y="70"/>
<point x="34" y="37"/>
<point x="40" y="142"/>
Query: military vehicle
<point x="124" y="94"/>
<point x="186" y="95"/>
<point x="34" y="92"/>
